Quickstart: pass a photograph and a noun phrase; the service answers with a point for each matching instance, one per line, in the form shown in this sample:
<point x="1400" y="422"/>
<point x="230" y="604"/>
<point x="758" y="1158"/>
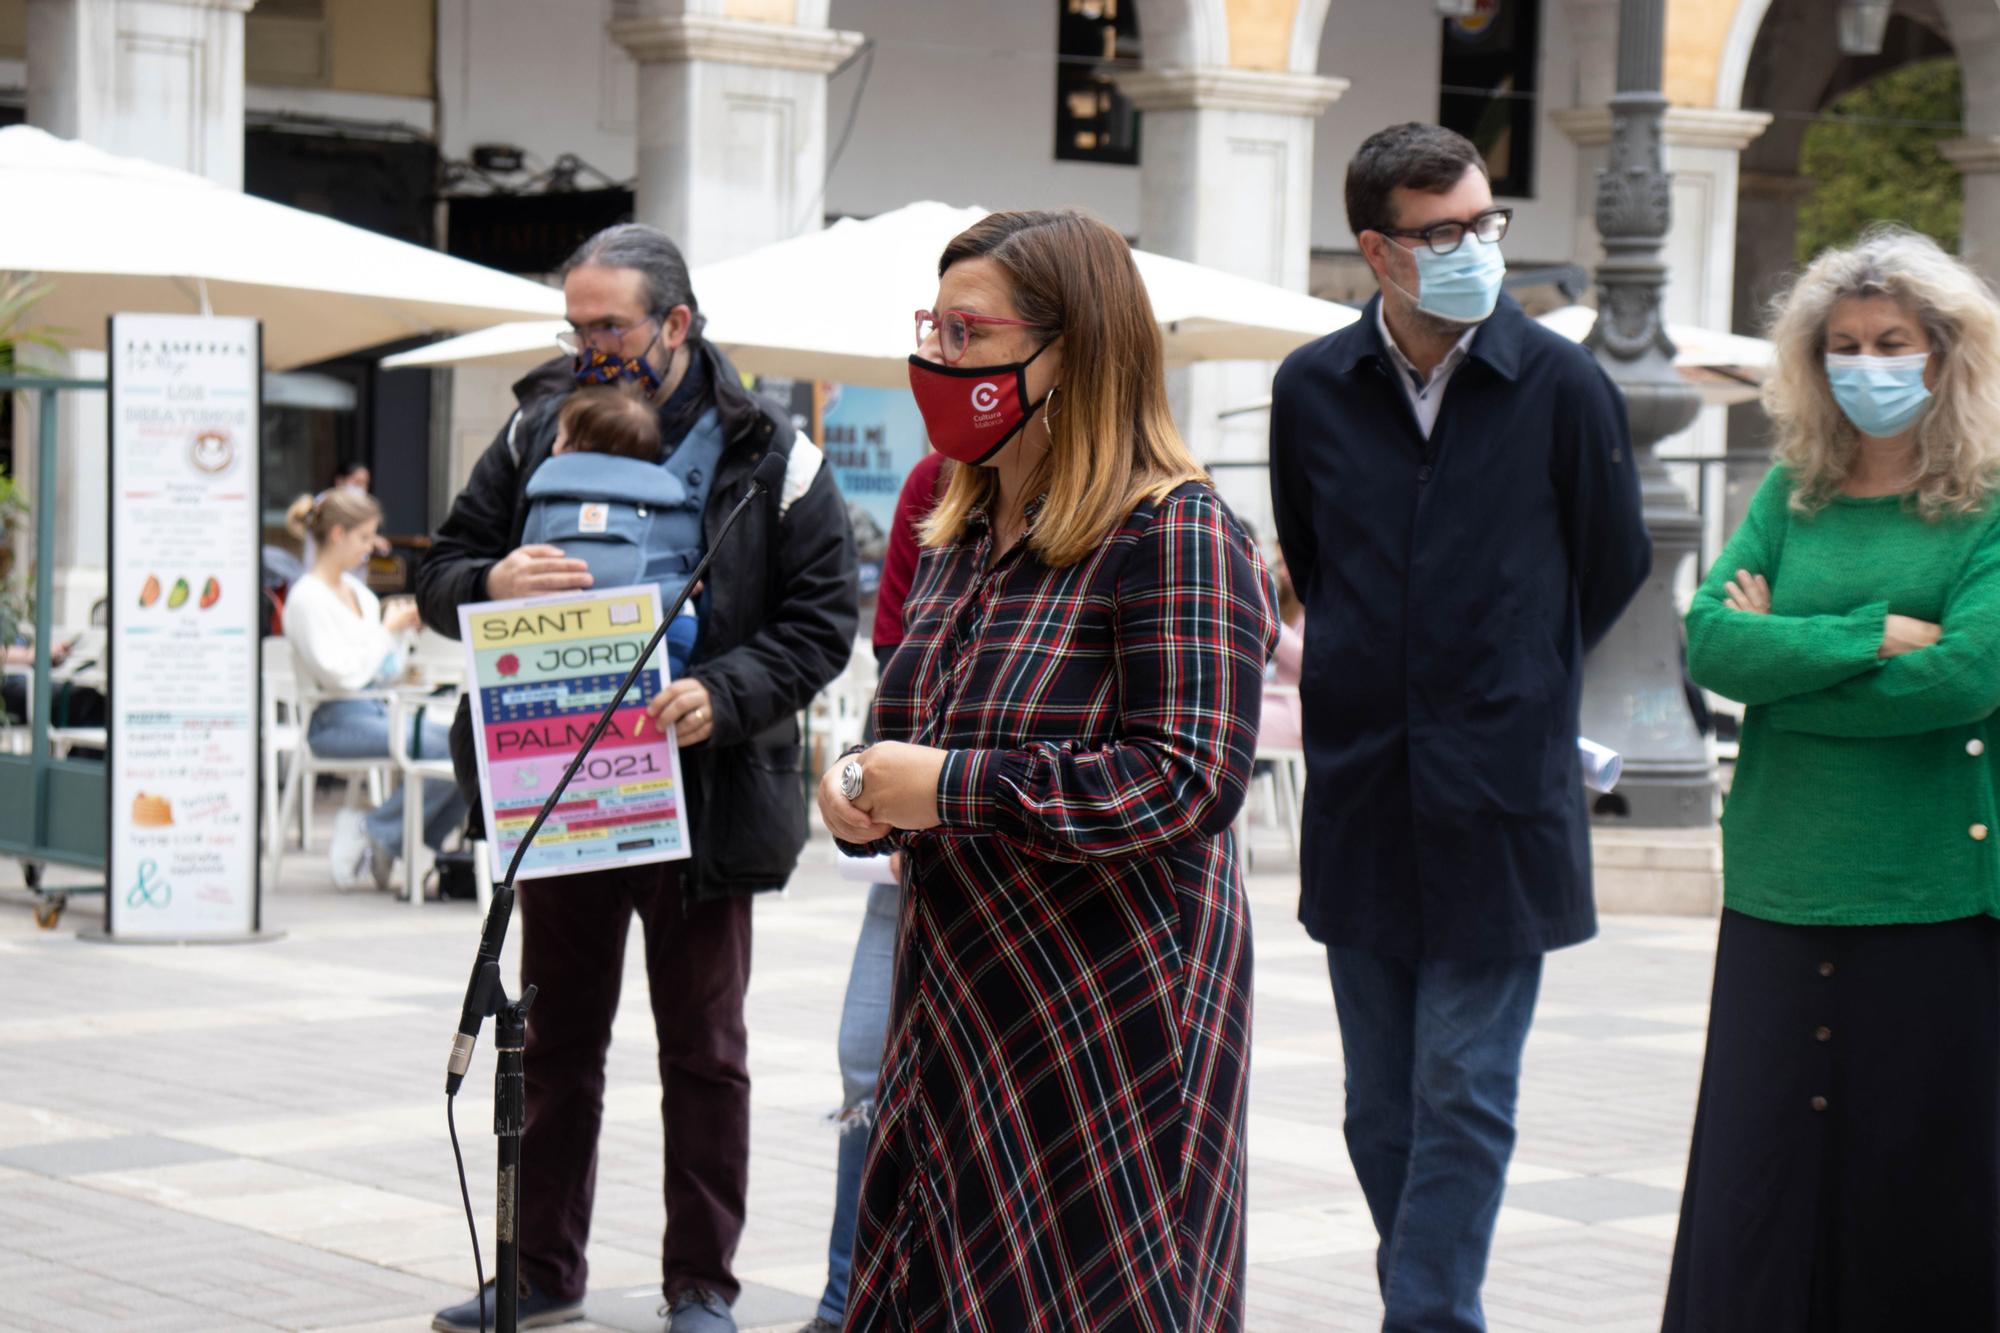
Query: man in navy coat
<point x="1457" y="501"/>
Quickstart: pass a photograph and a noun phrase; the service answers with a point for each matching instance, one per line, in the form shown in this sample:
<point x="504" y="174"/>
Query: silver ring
<point x="850" y="780"/>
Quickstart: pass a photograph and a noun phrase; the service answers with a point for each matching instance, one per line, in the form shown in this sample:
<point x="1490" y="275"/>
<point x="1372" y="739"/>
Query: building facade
<point x="1212" y="130"/>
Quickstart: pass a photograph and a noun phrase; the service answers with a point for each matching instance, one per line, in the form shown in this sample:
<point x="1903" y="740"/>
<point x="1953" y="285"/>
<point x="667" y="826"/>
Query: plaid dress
<point x="1059" y="1141"/>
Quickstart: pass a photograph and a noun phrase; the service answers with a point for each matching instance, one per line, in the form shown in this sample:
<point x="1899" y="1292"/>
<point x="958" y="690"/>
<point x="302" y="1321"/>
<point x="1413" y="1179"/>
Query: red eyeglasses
<point x="954" y="330"/>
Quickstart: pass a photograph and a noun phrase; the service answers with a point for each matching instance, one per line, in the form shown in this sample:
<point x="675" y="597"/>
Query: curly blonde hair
<point x="1958" y="439"/>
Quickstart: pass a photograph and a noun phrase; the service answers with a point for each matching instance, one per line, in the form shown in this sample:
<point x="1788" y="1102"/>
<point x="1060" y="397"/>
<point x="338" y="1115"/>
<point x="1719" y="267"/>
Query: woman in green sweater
<point x="1845" y="1168"/>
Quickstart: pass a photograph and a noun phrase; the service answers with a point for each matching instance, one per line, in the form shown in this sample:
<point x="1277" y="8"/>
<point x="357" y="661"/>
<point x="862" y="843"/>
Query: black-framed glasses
<point x="603" y="336"/>
<point x="1445" y="237"/>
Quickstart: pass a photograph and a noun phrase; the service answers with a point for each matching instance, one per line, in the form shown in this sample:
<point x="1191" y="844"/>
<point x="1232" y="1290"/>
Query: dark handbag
<point x="454" y="875"/>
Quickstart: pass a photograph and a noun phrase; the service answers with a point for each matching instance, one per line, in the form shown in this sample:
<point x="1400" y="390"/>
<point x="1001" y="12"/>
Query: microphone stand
<point x="510" y="1117"/>
<point x="486" y="996"/>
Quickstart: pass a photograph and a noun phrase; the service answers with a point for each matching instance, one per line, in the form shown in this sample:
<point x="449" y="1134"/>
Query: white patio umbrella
<point x="836" y="305"/>
<point x="114" y="233"/>
<point x="1726" y="367"/>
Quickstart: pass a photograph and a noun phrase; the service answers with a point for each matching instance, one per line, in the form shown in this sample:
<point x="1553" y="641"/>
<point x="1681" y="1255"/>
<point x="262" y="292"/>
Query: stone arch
<point x="1744" y="26"/>
<point x="1184" y="34"/>
<point x="1782" y="56"/>
<point x="1793" y="65"/>
<point x="1308" y="23"/>
<point x="1974" y="27"/>
<point x="1194" y="34"/>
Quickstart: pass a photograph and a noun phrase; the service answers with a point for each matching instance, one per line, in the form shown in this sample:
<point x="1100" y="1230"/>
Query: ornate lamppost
<point x="1634" y="698"/>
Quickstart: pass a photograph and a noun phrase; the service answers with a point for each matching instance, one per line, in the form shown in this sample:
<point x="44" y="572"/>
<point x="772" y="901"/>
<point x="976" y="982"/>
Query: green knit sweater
<point x="1864" y="790"/>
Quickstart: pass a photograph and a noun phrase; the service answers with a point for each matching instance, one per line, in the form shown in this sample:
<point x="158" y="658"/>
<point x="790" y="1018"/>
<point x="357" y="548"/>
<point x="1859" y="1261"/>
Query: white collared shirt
<point x="1426" y="396"/>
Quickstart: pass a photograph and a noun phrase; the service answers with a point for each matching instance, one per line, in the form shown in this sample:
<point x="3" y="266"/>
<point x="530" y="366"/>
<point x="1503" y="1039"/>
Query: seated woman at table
<point x="19" y="661"/>
<point x="343" y="642"/>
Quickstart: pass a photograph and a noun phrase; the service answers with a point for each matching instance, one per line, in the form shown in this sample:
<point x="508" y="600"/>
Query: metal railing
<point x="51" y="810"/>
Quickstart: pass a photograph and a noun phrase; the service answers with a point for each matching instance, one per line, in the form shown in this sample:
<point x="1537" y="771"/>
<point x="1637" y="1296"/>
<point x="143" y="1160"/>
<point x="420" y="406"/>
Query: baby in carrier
<point x="605" y="498"/>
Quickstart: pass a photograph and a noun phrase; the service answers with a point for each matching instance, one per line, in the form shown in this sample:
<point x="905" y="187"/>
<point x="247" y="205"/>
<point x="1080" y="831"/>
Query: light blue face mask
<point x="1881" y="395"/>
<point x="1463" y="286"/>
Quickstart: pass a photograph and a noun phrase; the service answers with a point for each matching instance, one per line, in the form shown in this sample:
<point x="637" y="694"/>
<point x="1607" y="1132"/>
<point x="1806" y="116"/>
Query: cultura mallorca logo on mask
<point x="998" y="403"/>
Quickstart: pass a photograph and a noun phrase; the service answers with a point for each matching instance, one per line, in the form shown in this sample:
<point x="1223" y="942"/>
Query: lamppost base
<point x="1655" y="795"/>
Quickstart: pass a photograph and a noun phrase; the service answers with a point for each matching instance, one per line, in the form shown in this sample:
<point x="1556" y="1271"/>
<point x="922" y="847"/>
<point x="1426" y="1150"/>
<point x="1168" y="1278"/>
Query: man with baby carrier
<point x="574" y="494"/>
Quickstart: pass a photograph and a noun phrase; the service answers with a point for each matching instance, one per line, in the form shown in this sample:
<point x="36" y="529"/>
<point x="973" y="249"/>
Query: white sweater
<point x="334" y="649"/>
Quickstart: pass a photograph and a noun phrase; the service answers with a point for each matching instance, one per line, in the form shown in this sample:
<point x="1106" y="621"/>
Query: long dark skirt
<point x="1845" y="1171"/>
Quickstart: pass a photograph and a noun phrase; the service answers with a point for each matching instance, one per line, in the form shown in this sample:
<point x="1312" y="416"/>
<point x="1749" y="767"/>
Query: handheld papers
<point x="541" y="669"/>
<point x="866" y="869"/>
<point x="1601" y="766"/>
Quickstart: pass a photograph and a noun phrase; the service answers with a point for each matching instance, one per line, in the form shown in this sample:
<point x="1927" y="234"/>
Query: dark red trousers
<point x="573" y="933"/>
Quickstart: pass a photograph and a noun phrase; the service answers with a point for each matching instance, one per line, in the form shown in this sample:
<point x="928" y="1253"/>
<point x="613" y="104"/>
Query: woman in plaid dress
<point x="1068" y="730"/>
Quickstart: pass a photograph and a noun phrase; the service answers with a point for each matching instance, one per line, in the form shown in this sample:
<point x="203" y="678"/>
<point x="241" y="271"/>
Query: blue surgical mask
<point x="1463" y="286"/>
<point x="1881" y="395"/>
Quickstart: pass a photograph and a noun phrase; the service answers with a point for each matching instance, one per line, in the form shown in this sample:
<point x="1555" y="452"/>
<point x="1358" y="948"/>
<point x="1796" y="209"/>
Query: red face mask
<point x="970" y="411"/>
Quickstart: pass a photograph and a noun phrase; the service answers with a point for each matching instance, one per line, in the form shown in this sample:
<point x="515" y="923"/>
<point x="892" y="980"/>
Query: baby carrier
<point x="632" y="522"/>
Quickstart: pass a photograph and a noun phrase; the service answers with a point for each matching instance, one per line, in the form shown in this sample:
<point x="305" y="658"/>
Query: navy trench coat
<point x="1452" y="587"/>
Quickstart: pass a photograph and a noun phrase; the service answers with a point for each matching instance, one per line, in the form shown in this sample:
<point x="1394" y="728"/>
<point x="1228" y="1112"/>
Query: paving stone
<point x="130" y="1152"/>
<point x="251" y="1138"/>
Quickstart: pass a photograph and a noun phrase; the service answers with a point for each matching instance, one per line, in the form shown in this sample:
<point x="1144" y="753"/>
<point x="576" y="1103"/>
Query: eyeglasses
<point x="601" y="336"/>
<point x="1445" y="237"/>
<point x="954" y="330"/>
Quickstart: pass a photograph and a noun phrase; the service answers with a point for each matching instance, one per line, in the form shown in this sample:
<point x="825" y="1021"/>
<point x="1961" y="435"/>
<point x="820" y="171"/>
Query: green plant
<point x="18" y="294"/>
<point x="17" y="597"/>
<point x="1874" y="158"/>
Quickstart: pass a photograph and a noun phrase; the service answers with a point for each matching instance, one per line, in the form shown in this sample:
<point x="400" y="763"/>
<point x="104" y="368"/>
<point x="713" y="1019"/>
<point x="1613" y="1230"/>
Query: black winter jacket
<point x="778" y="624"/>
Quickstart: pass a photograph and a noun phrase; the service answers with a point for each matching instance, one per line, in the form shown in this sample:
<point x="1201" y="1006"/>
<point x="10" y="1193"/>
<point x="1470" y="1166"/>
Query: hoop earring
<point x="1048" y="398"/>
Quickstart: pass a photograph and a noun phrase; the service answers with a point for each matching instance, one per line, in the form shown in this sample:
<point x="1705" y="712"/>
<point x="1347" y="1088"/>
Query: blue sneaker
<point x="536" y="1311"/>
<point x="698" y="1311"/>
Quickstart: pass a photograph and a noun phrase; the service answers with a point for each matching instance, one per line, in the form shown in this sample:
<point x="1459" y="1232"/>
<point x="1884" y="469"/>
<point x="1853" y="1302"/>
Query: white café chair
<point x="82" y="668"/>
<point x="283" y="733"/>
<point x="417" y="857"/>
<point x="368" y="774"/>
<point x="839" y="713"/>
<point x="1283" y="782"/>
<point x="17" y="737"/>
<point x="439" y="660"/>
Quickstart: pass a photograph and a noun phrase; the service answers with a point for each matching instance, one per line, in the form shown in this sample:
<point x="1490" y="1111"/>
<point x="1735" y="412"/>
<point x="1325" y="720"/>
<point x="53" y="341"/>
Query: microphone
<point x="484" y="990"/>
<point x="481" y="989"/>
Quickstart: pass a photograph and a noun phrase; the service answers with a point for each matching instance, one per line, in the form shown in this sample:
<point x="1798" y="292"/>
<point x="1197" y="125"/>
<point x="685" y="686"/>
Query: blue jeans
<point x="1433" y="1051"/>
<point x="864" y="1030"/>
<point x="359" y="729"/>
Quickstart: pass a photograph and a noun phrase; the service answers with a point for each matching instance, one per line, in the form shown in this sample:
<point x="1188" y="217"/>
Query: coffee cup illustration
<point x="212" y="451"/>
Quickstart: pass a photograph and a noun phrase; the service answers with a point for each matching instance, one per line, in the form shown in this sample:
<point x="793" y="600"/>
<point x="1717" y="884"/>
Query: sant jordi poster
<point x="540" y="670"/>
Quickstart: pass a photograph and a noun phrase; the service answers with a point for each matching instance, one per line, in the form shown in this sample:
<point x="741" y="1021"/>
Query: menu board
<point x="184" y="628"/>
<point x="541" y="670"/>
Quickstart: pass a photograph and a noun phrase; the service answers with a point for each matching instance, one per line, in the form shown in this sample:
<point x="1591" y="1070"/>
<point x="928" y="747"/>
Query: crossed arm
<point x="1869" y="673"/>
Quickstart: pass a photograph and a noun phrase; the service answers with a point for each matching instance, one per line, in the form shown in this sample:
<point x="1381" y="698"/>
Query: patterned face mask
<point x="593" y="366"/>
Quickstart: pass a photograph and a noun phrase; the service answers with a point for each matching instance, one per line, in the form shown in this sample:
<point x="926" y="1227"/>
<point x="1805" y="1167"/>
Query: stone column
<point x="731" y="125"/>
<point x="1977" y="158"/>
<point x="156" y="79"/>
<point x="1226" y="181"/>
<point x="1767" y="228"/>
<point x="1704" y="148"/>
